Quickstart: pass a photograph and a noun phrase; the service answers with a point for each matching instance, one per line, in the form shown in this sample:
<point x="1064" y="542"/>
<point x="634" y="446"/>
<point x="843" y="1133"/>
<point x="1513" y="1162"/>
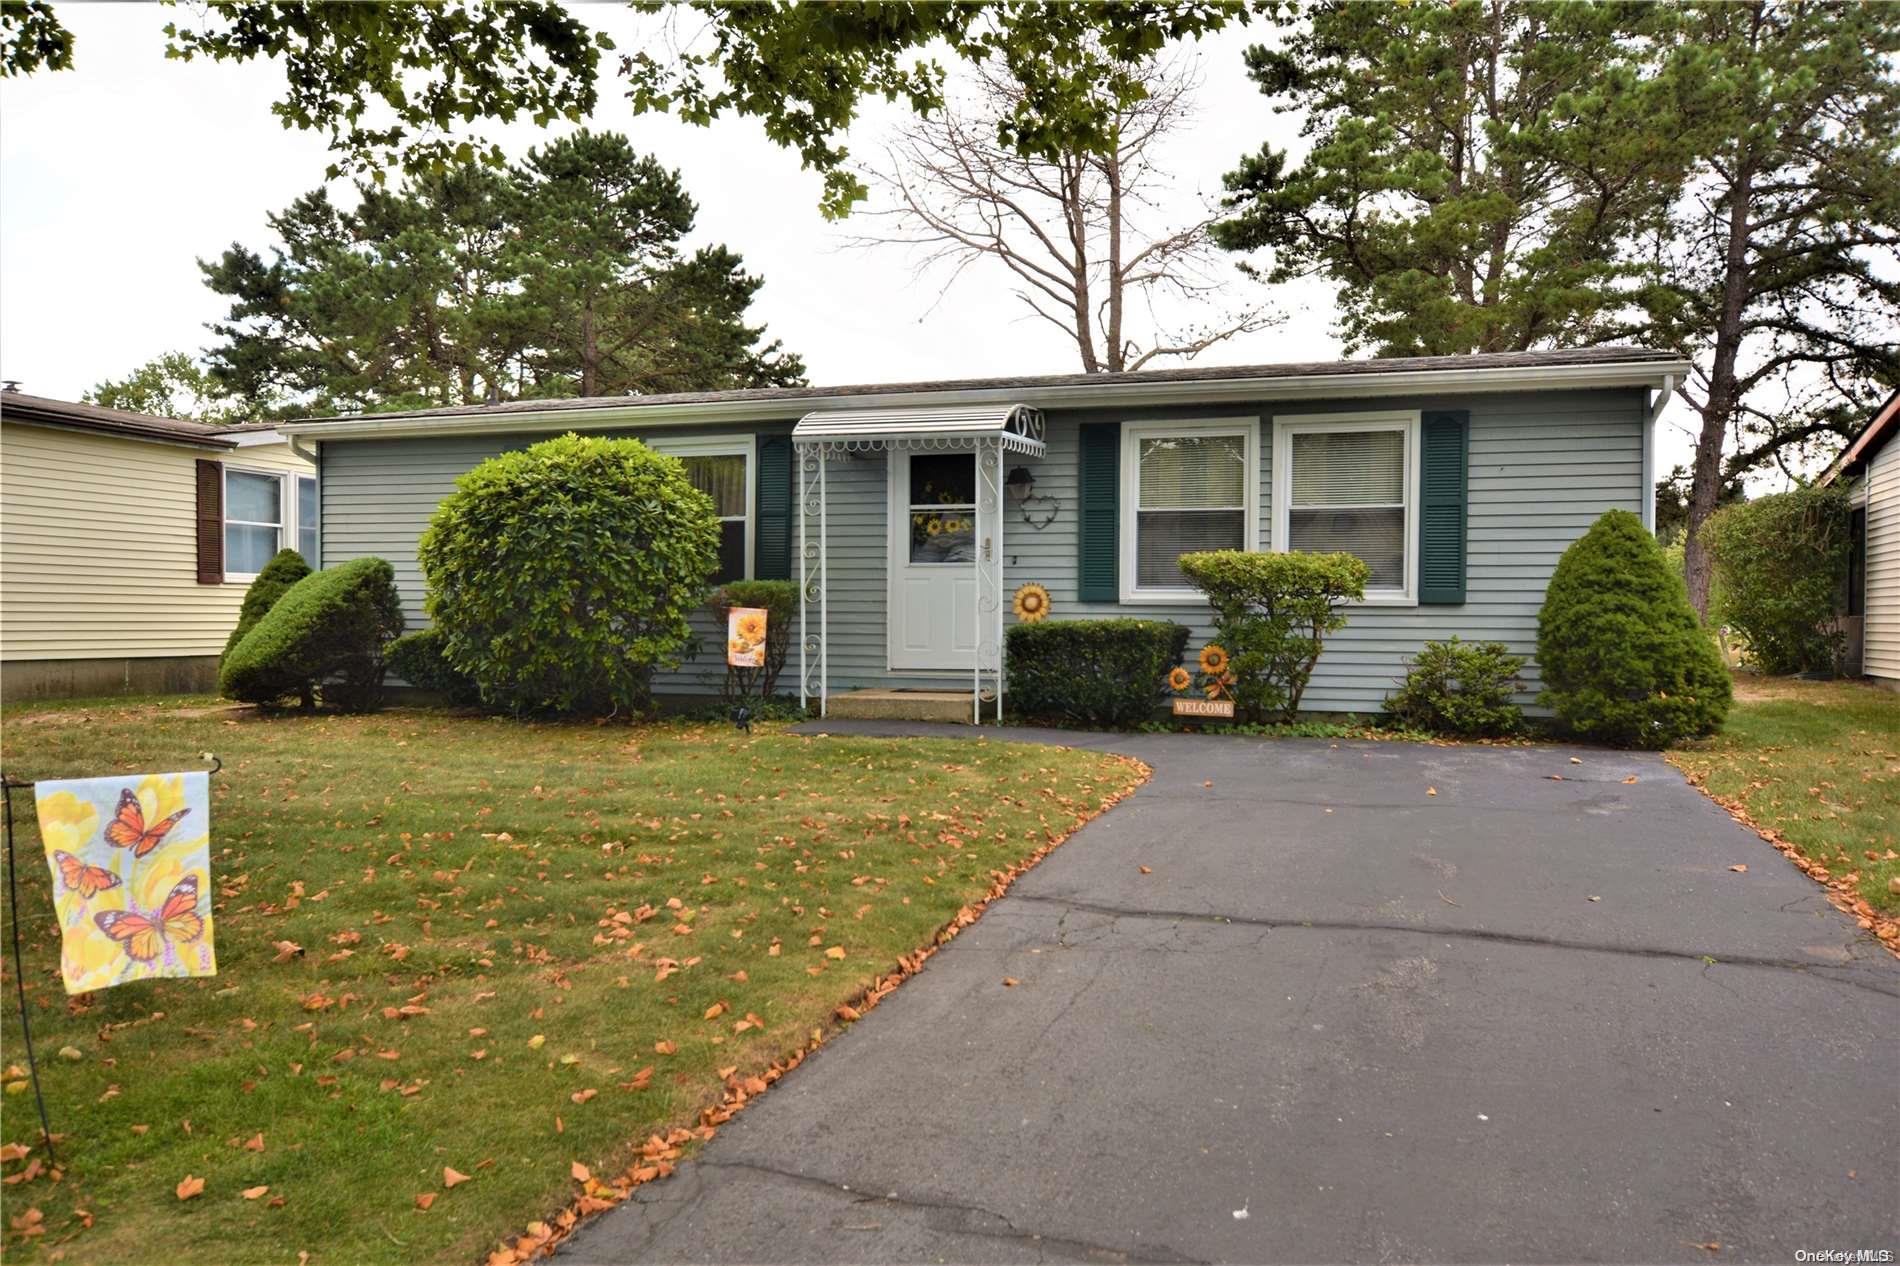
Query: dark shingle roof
<point x="18" y="406"/>
<point x="1211" y="373"/>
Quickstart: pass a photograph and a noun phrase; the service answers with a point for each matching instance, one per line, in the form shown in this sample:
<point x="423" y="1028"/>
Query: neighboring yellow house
<point x="127" y="542"/>
<point x="1871" y="465"/>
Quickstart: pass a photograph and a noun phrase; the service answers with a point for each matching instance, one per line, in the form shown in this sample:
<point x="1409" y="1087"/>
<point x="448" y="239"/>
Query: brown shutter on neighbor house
<point x="210" y="523"/>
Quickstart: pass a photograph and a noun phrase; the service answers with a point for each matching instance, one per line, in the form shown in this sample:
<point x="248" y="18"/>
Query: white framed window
<point x="307" y="520"/>
<point x="254" y="518"/>
<point x="721" y="466"/>
<point x="1349" y="481"/>
<point x="1186" y="486"/>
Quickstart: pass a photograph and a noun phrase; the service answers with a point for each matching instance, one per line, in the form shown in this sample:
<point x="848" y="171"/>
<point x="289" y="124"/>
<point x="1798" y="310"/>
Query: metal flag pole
<point x="7" y="787"/>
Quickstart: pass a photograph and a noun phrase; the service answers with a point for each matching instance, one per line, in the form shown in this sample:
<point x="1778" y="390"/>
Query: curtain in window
<point x="1348" y="493"/>
<point x="721" y="476"/>
<point x="1191" y="496"/>
<point x="307" y="519"/>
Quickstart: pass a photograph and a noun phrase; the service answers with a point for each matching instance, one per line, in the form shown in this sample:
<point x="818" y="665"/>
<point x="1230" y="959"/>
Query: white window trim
<point x="1132" y="435"/>
<point x="296" y="519"/>
<point x="286" y="511"/>
<point x="745" y="446"/>
<point x="1285" y="426"/>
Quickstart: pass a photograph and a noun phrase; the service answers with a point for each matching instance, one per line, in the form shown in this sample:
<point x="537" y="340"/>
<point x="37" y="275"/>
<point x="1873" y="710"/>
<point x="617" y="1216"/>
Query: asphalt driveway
<point x="1343" y="1018"/>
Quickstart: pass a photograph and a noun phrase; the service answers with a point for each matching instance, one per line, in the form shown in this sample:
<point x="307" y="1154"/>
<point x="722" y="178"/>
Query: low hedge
<point x="285" y="569"/>
<point x="747" y="687"/>
<point x="1092" y="672"/>
<point x="417" y="659"/>
<point x="326" y="634"/>
<point x="1462" y="689"/>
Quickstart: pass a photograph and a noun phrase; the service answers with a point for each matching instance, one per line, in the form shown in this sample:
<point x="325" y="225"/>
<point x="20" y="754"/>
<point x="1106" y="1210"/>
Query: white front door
<point x="933" y="561"/>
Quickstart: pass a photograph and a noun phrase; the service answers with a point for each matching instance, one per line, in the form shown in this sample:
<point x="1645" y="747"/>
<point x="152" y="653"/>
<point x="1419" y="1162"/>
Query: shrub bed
<point x="1461" y="689"/>
<point x="1272" y="613"/>
<point x="1624" y="658"/>
<point x="327" y="635"/>
<point x="1092" y="672"/>
<point x="562" y="575"/>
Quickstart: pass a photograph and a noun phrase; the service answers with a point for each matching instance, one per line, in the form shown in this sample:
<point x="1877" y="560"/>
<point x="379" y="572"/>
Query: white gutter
<point x="1665" y="391"/>
<point x="1650" y="374"/>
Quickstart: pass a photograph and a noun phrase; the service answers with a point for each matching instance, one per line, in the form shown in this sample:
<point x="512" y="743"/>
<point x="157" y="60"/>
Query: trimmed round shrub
<point x="417" y="659"/>
<point x="326" y="635"/>
<point x="1272" y="614"/>
<point x="1782" y="561"/>
<point x="1462" y="689"/>
<point x="1625" y="661"/>
<point x="1092" y="672"/>
<point x="285" y="569"/>
<point x="779" y="600"/>
<point x="562" y="575"/>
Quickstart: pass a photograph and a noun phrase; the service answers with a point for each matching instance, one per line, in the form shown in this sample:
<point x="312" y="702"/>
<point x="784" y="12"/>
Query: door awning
<point x="1013" y="427"/>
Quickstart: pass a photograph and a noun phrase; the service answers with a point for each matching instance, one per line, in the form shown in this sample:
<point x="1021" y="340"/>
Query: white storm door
<point x="932" y="610"/>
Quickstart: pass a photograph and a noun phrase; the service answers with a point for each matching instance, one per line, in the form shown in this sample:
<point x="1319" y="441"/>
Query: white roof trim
<point x="1263" y="390"/>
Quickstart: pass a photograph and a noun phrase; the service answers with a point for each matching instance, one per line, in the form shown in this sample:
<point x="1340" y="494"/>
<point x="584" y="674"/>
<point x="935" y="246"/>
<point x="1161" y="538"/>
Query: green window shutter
<point x="1098" y="553"/>
<point x="777" y="492"/>
<point x="1444" y="452"/>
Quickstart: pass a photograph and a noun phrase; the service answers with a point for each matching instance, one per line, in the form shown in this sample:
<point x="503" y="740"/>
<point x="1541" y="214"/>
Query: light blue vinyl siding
<point x="1543" y="466"/>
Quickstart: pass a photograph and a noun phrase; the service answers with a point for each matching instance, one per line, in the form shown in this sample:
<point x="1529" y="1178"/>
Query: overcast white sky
<point x="117" y="176"/>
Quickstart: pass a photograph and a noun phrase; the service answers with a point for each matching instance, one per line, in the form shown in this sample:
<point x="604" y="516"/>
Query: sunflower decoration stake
<point x="1214" y="684"/>
<point x="1032" y="603"/>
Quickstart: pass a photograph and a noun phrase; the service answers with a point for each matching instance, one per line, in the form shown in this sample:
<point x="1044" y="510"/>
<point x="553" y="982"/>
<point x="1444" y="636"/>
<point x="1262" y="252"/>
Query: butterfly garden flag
<point x="131" y="863"/>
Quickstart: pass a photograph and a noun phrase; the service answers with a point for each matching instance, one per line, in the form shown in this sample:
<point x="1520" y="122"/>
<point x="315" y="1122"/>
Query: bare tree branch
<point x="1074" y="231"/>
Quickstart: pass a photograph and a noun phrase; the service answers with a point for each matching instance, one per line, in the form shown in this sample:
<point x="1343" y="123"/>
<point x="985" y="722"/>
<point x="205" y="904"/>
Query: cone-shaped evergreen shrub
<point x="327" y="634"/>
<point x="284" y="569"/>
<point x="1624" y="658"/>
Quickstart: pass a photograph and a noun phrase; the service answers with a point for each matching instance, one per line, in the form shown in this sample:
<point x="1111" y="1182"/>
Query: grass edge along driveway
<point x="1814" y="768"/>
<point x="479" y="976"/>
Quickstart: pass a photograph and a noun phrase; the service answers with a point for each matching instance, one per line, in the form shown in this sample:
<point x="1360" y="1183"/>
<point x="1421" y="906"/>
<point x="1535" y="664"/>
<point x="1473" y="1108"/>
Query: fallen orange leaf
<point x="1740" y="868"/>
<point x="581" y="1172"/>
<point x="1147" y="870"/>
<point x="582" y="1096"/>
<point x="836" y="951"/>
<point x="252" y="1193"/>
<point x="190" y="1187"/>
<point x="255" y="1143"/>
<point x="666" y="1048"/>
<point x="424" y="1200"/>
<point x="1010" y="982"/>
<point x="450" y="1178"/>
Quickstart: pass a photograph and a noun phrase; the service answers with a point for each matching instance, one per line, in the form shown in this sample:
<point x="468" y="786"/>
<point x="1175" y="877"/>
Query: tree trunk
<point x="590" y="351"/>
<point x="1705" y="490"/>
<point x="1113" y="170"/>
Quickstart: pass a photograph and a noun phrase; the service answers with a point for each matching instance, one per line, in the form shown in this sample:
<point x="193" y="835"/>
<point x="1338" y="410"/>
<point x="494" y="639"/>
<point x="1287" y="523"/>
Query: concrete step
<point x="901" y="705"/>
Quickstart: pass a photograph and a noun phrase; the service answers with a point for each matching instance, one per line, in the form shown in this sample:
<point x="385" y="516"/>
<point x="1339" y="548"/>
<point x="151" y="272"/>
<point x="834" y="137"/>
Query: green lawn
<point x="560" y="907"/>
<point x="1817" y="763"/>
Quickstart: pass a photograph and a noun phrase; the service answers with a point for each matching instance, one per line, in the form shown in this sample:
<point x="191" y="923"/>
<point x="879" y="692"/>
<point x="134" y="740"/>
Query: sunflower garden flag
<point x="131" y="863"/>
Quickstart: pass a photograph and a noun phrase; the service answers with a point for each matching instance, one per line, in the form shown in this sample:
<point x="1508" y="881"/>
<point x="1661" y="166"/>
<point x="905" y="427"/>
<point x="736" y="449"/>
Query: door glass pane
<point x="942" y="536"/>
<point x="1189" y="471"/>
<point x="1162" y="536"/>
<point x="721" y="477"/>
<point x="942" y="479"/>
<point x="1376" y="536"/>
<point x="1333" y="468"/>
<point x="247" y="549"/>
<point x="253" y="498"/>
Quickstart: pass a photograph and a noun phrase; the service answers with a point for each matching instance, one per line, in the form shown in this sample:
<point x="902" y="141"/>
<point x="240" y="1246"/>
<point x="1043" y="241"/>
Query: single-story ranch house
<point x="914" y="511"/>
<point x="127" y="542"/>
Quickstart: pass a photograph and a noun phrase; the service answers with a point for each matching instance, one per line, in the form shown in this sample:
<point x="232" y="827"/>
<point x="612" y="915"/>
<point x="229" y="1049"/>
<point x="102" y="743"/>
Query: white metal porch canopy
<point x="988" y="431"/>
